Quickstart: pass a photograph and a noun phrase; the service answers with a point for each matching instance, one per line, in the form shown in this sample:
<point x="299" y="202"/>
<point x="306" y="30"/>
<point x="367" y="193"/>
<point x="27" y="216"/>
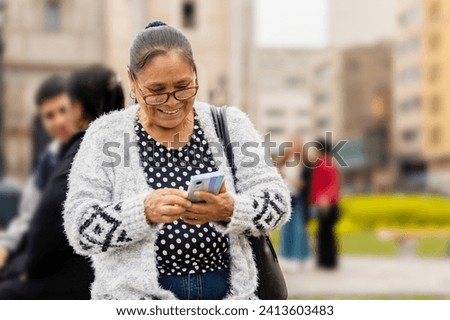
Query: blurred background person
<point x="294" y="246"/>
<point x="325" y="190"/>
<point x="53" y="109"/>
<point x="51" y="269"/>
<point x="308" y="162"/>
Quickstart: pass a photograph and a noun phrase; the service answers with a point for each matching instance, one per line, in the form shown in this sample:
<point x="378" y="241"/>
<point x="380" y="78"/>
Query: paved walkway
<point x="385" y="276"/>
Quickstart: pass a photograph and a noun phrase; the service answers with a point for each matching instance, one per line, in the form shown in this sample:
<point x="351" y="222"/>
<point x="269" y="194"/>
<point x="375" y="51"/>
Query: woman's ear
<point x="130" y="80"/>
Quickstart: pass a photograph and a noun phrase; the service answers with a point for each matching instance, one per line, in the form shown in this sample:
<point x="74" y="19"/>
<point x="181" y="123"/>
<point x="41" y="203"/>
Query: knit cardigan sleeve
<point x="262" y="201"/>
<point x="93" y="222"/>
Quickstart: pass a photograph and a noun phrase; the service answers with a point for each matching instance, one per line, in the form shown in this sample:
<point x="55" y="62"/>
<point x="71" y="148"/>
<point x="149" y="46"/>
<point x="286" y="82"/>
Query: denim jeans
<point x="213" y="285"/>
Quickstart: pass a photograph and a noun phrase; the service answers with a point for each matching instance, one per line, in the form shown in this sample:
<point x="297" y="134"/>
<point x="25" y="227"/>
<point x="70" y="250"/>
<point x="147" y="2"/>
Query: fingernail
<point x="189" y="203"/>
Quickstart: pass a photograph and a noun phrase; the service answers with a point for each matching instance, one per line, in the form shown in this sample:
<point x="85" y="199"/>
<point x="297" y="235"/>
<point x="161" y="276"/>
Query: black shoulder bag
<point x="271" y="283"/>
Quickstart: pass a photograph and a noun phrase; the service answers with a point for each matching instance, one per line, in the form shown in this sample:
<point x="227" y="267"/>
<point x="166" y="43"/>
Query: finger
<point x="169" y="210"/>
<point x="175" y="200"/>
<point x="223" y="188"/>
<point x="173" y="191"/>
<point x="200" y="209"/>
<point x="207" y="196"/>
<point x="168" y="219"/>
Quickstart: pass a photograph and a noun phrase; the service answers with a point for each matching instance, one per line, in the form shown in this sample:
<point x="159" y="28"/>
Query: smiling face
<point x="165" y="73"/>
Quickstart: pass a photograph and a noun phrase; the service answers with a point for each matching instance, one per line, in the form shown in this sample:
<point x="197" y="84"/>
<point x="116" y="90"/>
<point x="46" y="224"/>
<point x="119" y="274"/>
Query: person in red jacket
<point x="325" y="192"/>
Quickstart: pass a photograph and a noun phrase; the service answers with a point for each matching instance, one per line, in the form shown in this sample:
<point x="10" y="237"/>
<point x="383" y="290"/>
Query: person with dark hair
<point x="325" y="193"/>
<point x="94" y="90"/>
<point x="53" y="110"/>
<point x="51" y="269"/>
<point x="127" y="207"/>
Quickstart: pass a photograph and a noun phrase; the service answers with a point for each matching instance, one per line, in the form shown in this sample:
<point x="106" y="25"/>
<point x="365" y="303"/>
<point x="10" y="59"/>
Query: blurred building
<point x="436" y="93"/>
<point x="361" y="22"/>
<point x="352" y="99"/>
<point x="47" y="36"/>
<point x="281" y="98"/>
<point x="221" y="34"/>
<point x="343" y="91"/>
<point x="41" y="38"/>
<point x="325" y="80"/>
<point x="407" y="133"/>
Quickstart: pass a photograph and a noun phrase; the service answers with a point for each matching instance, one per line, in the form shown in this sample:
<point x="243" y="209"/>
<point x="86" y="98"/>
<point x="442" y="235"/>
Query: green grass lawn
<point x="367" y="243"/>
<point x="362" y="215"/>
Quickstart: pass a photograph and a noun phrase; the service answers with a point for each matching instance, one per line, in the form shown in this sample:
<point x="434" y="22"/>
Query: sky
<point x="291" y="23"/>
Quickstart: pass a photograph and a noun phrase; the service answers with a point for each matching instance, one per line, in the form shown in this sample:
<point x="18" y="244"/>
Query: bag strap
<point x="221" y="125"/>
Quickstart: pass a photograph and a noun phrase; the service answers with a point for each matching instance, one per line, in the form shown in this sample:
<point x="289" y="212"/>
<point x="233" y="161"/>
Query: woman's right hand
<point x="166" y="205"/>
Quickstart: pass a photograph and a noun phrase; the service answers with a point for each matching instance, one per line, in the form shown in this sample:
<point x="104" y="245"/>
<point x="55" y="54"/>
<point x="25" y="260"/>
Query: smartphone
<point x="209" y="182"/>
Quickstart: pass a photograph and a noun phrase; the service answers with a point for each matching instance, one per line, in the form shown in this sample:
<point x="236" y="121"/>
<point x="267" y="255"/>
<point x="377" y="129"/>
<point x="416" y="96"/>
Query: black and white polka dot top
<point x="182" y="248"/>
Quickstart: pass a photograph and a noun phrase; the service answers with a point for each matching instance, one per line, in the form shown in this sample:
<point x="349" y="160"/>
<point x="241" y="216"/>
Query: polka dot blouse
<point x="182" y="248"/>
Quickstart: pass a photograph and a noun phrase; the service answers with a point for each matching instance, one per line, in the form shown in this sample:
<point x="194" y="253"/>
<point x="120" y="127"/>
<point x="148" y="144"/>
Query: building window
<point x="324" y="71"/>
<point x="53" y="15"/>
<point x="434" y="41"/>
<point x="275" y="112"/>
<point x="410" y="75"/>
<point x="189" y="15"/>
<point x="434" y="10"/>
<point x="302" y="113"/>
<point x="294" y="82"/>
<point x="275" y="130"/>
<point x="410" y="135"/>
<point x="410" y="104"/>
<point x="435" y="136"/>
<point x="434" y="73"/>
<point x="322" y="123"/>
<point x="411" y="16"/>
<point x="322" y="98"/>
<point x="435" y="104"/>
<point x="410" y="46"/>
<point x="353" y="65"/>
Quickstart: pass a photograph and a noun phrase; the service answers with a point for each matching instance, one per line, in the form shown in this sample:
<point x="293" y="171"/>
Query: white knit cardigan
<point x="104" y="210"/>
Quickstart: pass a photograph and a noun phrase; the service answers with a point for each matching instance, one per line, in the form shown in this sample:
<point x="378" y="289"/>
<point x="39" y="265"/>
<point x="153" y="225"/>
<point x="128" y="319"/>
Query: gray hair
<point x="158" y="39"/>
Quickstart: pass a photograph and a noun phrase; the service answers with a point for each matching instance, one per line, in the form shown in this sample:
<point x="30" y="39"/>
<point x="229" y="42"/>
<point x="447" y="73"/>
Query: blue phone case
<point x="210" y="182"/>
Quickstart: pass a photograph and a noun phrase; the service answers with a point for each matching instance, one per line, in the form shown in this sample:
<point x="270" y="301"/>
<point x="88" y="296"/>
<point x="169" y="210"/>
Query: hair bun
<point x="155" y="24"/>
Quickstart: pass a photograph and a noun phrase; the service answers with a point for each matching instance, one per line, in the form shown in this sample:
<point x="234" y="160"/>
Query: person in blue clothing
<point x="53" y="105"/>
<point x="294" y="247"/>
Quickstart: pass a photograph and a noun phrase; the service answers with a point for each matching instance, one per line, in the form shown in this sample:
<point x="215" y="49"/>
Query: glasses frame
<point x="167" y="94"/>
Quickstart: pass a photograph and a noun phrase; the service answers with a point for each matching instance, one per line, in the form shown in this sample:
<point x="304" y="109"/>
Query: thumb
<point x="223" y="188"/>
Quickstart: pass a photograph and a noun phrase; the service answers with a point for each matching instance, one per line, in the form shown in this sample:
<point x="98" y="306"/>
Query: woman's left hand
<point x="216" y="208"/>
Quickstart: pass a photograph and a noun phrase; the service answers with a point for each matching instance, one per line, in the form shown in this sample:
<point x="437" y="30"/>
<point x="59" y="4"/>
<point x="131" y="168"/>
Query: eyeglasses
<point x="161" y="98"/>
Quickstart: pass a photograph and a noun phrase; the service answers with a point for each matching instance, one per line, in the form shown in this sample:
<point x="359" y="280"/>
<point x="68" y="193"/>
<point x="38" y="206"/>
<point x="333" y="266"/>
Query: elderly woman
<point x="127" y="206"/>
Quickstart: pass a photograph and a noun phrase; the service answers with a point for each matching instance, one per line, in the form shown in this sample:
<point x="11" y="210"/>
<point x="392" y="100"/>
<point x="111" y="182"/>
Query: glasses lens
<point x="186" y="93"/>
<point x="156" y="99"/>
